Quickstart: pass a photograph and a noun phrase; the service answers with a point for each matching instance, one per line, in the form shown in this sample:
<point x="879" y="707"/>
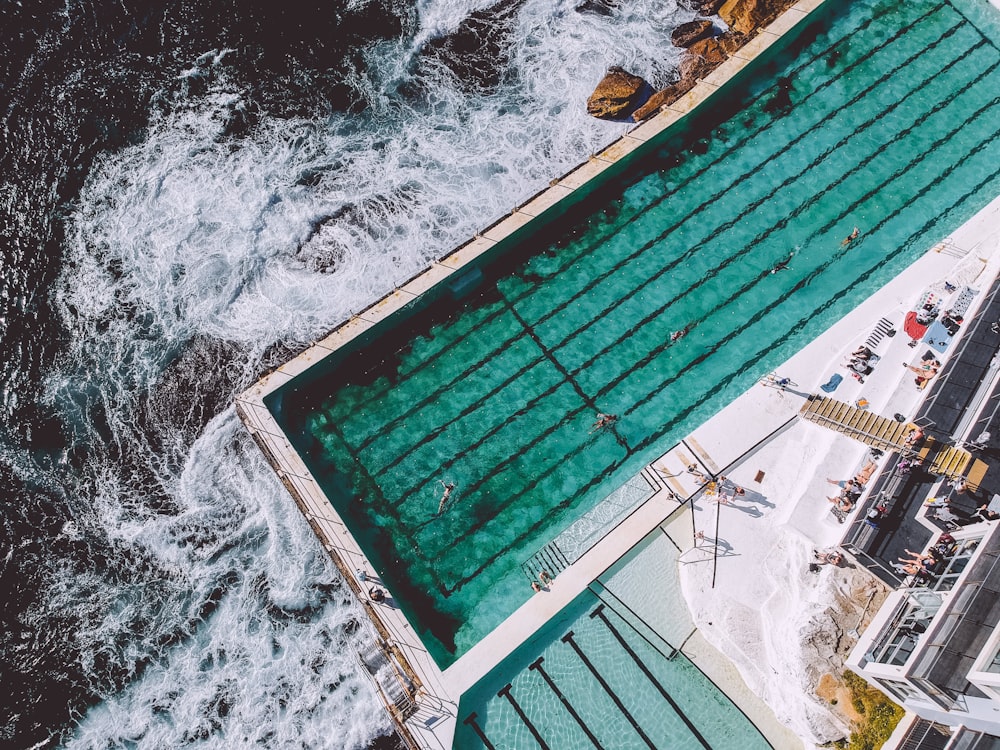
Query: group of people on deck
<point x="921" y="566"/>
<point x="861" y="361"/>
<point x="851" y="489"/>
<point x="943" y="509"/>
<point x="827" y="557"/>
<point x="924" y="566"/>
<point x="725" y="489"/>
<point x="546" y="581"/>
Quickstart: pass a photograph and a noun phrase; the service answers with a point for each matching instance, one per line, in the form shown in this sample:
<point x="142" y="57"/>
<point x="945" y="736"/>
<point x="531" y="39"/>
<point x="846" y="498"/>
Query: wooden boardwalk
<point x="888" y="434"/>
<point x="883" y="433"/>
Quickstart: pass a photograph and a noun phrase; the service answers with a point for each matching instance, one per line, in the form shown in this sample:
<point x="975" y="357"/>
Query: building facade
<point x="934" y="645"/>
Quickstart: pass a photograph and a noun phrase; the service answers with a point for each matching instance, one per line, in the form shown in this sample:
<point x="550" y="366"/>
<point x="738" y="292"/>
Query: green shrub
<point x="880" y="714"/>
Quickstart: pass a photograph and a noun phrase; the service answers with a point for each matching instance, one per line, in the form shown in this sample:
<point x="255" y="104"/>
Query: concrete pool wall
<point x="425" y="706"/>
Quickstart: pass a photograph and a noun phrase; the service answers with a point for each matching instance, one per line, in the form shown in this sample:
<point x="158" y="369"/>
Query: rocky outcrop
<point x="600" y="7"/>
<point x="705" y="50"/>
<point x="478" y="50"/>
<point x="702" y="58"/>
<point x="705" y="7"/>
<point x="707" y="54"/>
<point x="746" y="16"/>
<point x="661" y="99"/>
<point x="617" y="95"/>
<point x="688" y="33"/>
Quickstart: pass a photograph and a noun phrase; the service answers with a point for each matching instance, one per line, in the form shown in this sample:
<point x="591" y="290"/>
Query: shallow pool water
<point x="884" y="116"/>
<point x="590" y="678"/>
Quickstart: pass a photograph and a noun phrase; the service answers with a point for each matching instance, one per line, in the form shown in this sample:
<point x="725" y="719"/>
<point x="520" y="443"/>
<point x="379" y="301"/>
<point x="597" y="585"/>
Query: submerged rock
<point x="478" y="51"/>
<point x="617" y="95"/>
<point x="705" y="7"/>
<point x="600" y="7"/>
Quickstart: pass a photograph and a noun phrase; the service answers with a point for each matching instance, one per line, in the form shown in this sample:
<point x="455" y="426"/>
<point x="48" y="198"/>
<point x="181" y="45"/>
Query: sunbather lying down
<point x="866" y="472"/>
<point x="926" y="365"/>
<point x="843" y="502"/>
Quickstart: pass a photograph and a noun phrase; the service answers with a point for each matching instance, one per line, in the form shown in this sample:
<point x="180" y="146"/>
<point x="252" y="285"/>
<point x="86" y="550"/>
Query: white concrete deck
<point x="755" y="605"/>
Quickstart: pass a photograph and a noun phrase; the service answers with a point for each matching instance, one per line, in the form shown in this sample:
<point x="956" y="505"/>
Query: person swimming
<point x="448" y="487"/>
<point x="678" y="335"/>
<point x="781" y="265"/>
<point x="851" y="237"/>
<point x="604" y="420"/>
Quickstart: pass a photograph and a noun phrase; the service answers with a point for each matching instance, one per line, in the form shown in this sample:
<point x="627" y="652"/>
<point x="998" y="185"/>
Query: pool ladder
<point x="549" y="558"/>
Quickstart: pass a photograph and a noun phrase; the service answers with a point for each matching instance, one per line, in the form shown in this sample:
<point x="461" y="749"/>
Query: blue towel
<point x="831" y="385"/>
<point x="937" y="337"/>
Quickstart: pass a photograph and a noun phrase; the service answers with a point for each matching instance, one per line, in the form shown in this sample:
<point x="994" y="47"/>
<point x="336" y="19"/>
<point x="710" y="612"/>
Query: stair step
<point x="548" y="558"/>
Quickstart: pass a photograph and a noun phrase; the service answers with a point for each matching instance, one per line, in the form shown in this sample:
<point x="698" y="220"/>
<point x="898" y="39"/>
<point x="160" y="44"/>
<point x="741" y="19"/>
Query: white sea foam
<point x="274" y="662"/>
<point x="275" y="238"/>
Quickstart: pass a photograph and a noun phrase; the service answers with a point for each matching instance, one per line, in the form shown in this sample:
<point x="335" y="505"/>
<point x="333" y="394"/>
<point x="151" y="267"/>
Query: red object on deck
<point x="914" y="329"/>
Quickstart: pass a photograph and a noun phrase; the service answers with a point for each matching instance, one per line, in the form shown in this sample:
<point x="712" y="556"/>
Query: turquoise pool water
<point x="589" y="679"/>
<point x="883" y="116"/>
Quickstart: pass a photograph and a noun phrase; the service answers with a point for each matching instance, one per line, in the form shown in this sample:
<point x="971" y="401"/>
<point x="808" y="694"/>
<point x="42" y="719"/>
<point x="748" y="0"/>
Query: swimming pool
<point x="883" y="116"/>
<point x="593" y="677"/>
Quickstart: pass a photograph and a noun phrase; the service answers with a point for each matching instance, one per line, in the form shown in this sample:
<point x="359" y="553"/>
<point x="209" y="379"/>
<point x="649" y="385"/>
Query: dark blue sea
<point x="191" y="192"/>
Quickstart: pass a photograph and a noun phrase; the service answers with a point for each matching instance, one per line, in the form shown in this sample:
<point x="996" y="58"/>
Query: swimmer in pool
<point x="604" y="420"/>
<point x="448" y="487"/>
<point x="678" y="335"/>
<point x="781" y="265"/>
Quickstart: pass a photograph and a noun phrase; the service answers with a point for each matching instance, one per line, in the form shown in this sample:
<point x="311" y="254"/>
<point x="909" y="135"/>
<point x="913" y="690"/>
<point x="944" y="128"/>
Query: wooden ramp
<point x="670" y="469"/>
<point x="951" y="462"/>
<point x="890" y="435"/>
<point x="976" y="474"/>
<point x="872" y="429"/>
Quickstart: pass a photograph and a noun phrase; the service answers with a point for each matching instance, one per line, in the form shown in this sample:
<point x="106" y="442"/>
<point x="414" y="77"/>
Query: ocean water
<point x="190" y="193"/>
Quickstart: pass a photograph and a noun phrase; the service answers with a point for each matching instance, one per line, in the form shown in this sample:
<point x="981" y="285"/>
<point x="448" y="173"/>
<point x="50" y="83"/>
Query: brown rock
<point x="711" y="52"/>
<point x="705" y="53"/>
<point x="702" y="58"/>
<point x="662" y="98"/>
<point x="746" y="16"/>
<point x="617" y="95"/>
<point x="731" y="41"/>
<point x="706" y="7"/>
<point x="688" y="33"/>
